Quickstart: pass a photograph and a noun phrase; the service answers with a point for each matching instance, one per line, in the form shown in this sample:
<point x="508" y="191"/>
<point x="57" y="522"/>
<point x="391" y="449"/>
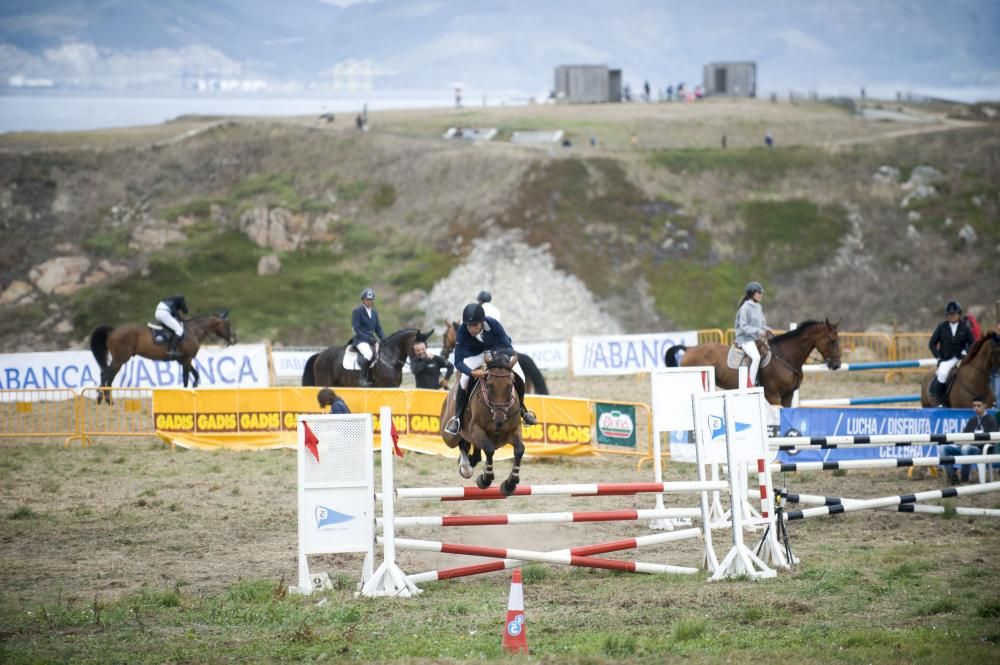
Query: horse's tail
<point x="533" y="374"/>
<point x="672" y="358"/>
<point x="99" y="346"/>
<point x="309" y="374"/>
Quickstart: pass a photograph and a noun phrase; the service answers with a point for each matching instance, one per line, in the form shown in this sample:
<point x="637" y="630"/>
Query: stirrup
<point x="454" y="426"/>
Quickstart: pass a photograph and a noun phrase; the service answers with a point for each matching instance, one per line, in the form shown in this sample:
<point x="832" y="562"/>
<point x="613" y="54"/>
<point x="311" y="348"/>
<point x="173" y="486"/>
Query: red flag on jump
<point x="312" y="443"/>
<point x="395" y="440"/>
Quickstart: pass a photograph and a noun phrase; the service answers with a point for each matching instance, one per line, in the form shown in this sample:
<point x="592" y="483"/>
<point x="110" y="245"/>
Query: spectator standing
<point x="980" y="423"/>
<point x="973" y="323"/>
<point x="427" y="369"/>
<point x="645" y="90"/>
<point x="768" y="139"/>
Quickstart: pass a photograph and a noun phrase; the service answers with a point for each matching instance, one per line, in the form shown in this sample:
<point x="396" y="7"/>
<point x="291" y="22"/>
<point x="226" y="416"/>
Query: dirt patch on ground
<point x="123" y="515"/>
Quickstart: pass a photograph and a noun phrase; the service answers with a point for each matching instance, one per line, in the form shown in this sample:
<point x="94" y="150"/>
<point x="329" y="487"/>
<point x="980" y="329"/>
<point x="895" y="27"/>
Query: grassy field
<point x="128" y="552"/>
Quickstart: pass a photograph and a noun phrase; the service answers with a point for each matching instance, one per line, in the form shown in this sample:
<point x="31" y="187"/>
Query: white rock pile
<point x="537" y="301"/>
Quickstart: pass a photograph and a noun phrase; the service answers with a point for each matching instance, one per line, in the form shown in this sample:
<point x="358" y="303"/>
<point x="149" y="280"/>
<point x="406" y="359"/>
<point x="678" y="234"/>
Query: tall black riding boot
<point x="174" y="347"/>
<point x="935" y="390"/>
<point x="454" y="425"/>
<point x="528" y="417"/>
<point x="364" y="381"/>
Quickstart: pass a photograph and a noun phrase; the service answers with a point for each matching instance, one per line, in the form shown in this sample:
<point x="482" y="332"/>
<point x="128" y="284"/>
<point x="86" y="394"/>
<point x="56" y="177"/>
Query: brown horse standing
<point x="492" y="419"/>
<point x="783" y="375"/>
<point x="972" y="378"/>
<point x="131" y="339"/>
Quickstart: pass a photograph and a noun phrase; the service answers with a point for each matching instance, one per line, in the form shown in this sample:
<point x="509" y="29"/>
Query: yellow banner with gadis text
<point x="258" y="418"/>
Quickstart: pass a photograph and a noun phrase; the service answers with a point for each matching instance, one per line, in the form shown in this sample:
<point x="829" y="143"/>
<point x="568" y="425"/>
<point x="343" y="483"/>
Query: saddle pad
<point x="736" y="357"/>
<point x="155" y="325"/>
<point x="350" y="360"/>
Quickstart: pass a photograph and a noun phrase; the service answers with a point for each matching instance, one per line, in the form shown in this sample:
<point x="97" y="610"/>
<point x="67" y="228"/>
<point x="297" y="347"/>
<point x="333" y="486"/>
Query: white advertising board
<point x="243" y="365"/>
<point x="625" y="354"/>
<point x="547" y="355"/>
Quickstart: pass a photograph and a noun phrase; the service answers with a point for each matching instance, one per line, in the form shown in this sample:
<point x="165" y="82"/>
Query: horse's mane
<point x="792" y="334"/>
<point x="400" y="333"/>
<point x="976" y="346"/>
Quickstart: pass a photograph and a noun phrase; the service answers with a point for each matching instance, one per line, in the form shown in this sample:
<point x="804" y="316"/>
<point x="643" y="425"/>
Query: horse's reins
<point x="486" y="396"/>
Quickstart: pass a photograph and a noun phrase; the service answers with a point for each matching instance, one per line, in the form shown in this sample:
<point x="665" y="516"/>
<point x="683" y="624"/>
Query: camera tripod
<point x="781" y="529"/>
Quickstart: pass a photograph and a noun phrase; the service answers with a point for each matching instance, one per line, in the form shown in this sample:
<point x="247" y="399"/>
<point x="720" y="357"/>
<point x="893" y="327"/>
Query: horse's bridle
<point x="486" y="396"/>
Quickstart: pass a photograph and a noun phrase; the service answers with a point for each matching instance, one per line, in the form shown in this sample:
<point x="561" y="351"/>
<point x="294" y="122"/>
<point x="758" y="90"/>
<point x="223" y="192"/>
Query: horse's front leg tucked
<point x="485" y="479"/>
<point x="464" y="467"/>
<point x="508" y="486"/>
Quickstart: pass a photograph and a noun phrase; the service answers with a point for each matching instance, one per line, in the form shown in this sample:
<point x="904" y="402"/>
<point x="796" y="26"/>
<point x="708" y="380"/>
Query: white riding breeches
<point x="750" y="348"/>
<point x="365" y="349"/>
<point x="477" y="361"/>
<point x="164" y="316"/>
<point x="944" y="369"/>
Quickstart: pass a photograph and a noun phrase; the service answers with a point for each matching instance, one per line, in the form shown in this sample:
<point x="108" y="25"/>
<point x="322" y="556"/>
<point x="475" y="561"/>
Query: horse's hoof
<point x="464" y="469"/>
<point x="507" y="487"/>
<point x="483" y="481"/>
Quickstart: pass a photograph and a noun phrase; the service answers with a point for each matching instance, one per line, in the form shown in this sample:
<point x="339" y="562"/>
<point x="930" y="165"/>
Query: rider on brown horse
<point x="751" y="326"/>
<point x="477" y="335"/>
<point x="167" y="312"/>
<point x="949" y="344"/>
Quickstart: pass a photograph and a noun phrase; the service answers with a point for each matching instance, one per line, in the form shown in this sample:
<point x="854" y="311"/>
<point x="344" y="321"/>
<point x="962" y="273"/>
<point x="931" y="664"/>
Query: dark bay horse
<point x="326" y="368"/>
<point x="132" y="339"/>
<point x="492" y="419"/>
<point x="534" y="382"/>
<point x="783" y="375"/>
<point x="972" y="378"/>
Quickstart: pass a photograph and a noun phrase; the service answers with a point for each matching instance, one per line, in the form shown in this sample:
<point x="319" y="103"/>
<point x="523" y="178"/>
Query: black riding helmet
<point x="953" y="308"/>
<point x="473" y="313"/>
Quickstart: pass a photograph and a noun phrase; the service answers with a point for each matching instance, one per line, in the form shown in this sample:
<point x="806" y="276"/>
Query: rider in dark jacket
<point x="367" y="331"/>
<point x="949" y="344"/>
<point x="477" y="335"/>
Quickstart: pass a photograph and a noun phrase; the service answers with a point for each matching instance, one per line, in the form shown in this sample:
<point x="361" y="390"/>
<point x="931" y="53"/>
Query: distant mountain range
<point x="493" y="45"/>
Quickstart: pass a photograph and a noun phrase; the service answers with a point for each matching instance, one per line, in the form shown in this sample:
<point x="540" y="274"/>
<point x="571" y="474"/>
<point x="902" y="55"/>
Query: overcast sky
<point x="919" y="45"/>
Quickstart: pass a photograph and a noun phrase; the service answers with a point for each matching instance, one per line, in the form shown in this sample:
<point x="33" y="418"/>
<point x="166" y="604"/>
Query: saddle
<point x="737" y="358"/>
<point x="161" y="334"/>
<point x="350" y="361"/>
<point x="946" y="391"/>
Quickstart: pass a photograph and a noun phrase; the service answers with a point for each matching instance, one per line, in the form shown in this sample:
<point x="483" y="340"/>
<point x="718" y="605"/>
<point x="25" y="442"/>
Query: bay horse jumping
<point x="133" y="339"/>
<point x="971" y="378"/>
<point x="783" y="375"/>
<point x="534" y="381"/>
<point x="492" y="420"/>
<point x="326" y="368"/>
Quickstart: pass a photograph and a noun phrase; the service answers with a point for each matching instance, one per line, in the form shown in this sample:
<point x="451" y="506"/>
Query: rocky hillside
<point x="654" y="227"/>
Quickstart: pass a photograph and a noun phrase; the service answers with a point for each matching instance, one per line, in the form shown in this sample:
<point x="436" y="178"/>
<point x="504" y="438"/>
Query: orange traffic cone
<point x="514" y="637"/>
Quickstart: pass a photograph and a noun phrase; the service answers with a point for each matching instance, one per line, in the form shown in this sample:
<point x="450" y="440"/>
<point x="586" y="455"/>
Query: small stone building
<point x="730" y="79"/>
<point x="583" y="84"/>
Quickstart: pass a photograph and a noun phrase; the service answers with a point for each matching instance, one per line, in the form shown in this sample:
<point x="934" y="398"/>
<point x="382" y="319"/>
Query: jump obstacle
<point x="907" y="502"/>
<point x="717" y="442"/>
<point x="325" y="510"/>
<point x="861" y="367"/>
